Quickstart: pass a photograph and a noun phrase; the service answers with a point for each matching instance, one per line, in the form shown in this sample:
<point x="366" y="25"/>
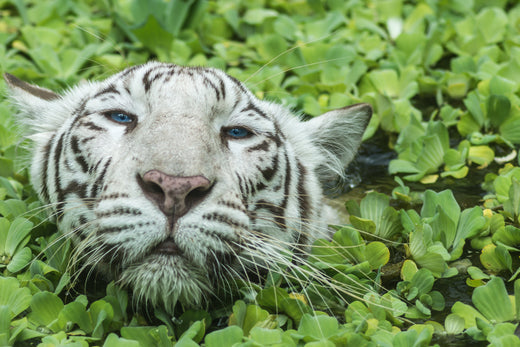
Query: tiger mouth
<point x="168" y="247"/>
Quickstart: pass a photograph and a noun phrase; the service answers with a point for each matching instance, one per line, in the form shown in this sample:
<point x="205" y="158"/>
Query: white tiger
<point x="171" y="179"/>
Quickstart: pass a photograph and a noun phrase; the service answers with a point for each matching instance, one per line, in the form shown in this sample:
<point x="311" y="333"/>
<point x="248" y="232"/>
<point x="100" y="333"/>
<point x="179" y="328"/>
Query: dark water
<point x="369" y="171"/>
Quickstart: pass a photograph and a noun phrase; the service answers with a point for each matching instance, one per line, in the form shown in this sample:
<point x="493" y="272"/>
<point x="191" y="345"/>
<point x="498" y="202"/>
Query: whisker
<point x="298" y="67"/>
<point x="286" y="52"/>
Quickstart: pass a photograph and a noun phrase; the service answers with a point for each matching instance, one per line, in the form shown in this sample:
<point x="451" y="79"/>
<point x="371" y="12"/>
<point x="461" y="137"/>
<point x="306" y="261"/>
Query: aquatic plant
<point x="446" y="102"/>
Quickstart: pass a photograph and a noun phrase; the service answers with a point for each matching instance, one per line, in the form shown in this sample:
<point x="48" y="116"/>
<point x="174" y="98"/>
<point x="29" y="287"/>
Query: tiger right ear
<point x="39" y="109"/>
<point x="17" y="85"/>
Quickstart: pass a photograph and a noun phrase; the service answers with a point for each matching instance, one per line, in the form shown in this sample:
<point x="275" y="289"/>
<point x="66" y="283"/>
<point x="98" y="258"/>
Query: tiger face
<point x="171" y="179"/>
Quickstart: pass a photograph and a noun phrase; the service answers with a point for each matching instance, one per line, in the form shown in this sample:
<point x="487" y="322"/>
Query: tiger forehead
<point x="172" y="89"/>
<point x="165" y="78"/>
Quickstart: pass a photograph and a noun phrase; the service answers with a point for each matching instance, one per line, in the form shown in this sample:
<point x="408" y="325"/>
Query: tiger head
<point x="171" y="179"/>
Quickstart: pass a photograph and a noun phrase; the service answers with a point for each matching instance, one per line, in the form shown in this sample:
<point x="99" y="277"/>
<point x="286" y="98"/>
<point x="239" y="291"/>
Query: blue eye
<point x="120" y="117"/>
<point x="237" y="132"/>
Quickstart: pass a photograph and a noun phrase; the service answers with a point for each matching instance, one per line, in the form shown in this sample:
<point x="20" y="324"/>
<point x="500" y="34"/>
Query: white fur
<point x="179" y="132"/>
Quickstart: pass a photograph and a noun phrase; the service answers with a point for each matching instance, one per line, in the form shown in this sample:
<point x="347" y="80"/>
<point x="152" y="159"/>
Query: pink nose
<point x="174" y="195"/>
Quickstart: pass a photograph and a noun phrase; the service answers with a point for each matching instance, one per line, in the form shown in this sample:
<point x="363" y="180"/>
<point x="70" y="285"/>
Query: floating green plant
<point x="439" y="233"/>
<point x="495" y="314"/>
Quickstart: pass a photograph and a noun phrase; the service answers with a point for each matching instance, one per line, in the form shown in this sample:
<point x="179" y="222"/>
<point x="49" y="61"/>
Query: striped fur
<point x="265" y="189"/>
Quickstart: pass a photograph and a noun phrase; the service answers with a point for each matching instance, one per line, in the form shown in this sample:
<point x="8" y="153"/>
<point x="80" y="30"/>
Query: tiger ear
<point x="37" y="106"/>
<point x="26" y="90"/>
<point x="338" y="134"/>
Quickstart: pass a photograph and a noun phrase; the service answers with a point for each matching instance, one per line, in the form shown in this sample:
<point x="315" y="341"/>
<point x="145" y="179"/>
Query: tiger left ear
<point x="338" y="134"/>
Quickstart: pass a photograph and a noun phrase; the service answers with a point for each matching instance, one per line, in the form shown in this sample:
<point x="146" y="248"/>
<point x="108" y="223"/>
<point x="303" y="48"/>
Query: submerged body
<point x="171" y="179"/>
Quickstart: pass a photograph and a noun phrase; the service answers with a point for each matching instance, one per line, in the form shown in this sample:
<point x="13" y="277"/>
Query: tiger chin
<point x="171" y="180"/>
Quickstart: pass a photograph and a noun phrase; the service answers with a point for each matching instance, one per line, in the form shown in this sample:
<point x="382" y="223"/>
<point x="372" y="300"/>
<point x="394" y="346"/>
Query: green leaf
<point x="481" y="155"/>
<point x="498" y="108"/>
<point x="76" y="313"/>
<point x="18" y="235"/>
<point x="492" y="24"/>
<point x="115" y="341"/>
<point x="317" y="327"/>
<point x="443" y="200"/>
<point x="4" y="230"/>
<point x="10" y="190"/>
<point x="473" y="104"/>
<point x="258" y="15"/>
<point x="294" y="308"/>
<point x="141" y="334"/>
<point x="101" y="314"/>
<point x="423" y="280"/>
<point x="493" y="301"/>
<point x="510" y="130"/>
<point x="454" y="324"/>
<point x="351" y="245"/>
<point x="196" y="331"/>
<point x="508" y="235"/>
<point x="494" y="260"/>
<point x="386" y="82"/>
<point x="254" y="314"/>
<point x="11" y="295"/>
<point x="438" y="302"/>
<point x="266" y="337"/>
<point x="45" y="309"/>
<point x="155" y="37"/>
<point x="512" y="205"/>
<point x="20" y="260"/>
<point x="468" y="313"/>
<point x="191" y="325"/>
<point x="377" y="254"/>
<point x="433" y="262"/>
<point x="271" y="297"/>
<point x="224" y="337"/>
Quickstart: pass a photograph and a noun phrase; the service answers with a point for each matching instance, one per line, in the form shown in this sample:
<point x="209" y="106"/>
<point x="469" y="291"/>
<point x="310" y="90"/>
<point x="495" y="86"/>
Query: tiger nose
<point x="174" y="195"/>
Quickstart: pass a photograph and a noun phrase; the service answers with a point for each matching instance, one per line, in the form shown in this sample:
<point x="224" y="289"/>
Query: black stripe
<point x="90" y="125"/>
<point x="115" y="196"/>
<point x="222" y="88"/>
<point x="81" y="109"/>
<point x="100" y="179"/>
<point x="301" y="238"/>
<point x="119" y="211"/>
<point x="74" y="187"/>
<point x="45" y="188"/>
<point x="263" y="146"/>
<point x="128" y="71"/>
<point x="217" y="217"/>
<point x="111" y="89"/>
<point x="80" y="159"/>
<point x="303" y="196"/>
<point x="242" y="187"/>
<point x="56" y="158"/>
<point x="208" y="83"/>
<point x="231" y="205"/>
<point x="259" y="186"/>
<point x="287" y="185"/>
<point x="88" y="139"/>
<point x="239" y="85"/>
<point x="113" y="229"/>
<point x="251" y="107"/>
<point x="268" y="173"/>
<point x="147" y="81"/>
